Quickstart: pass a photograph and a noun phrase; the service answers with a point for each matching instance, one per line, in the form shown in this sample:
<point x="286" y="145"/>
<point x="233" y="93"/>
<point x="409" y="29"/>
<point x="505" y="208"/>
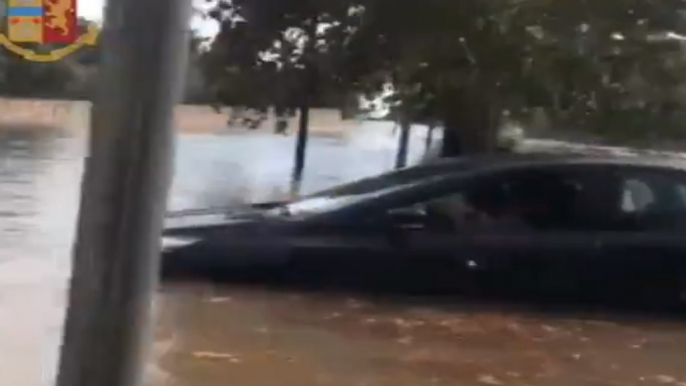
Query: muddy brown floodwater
<point x="242" y="336"/>
<point x="250" y="336"/>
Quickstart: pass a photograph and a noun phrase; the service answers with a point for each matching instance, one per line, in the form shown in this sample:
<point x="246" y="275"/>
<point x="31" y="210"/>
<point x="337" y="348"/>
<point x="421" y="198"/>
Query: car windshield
<point x="334" y="199"/>
<point x="315" y="205"/>
<point x="383" y="182"/>
<point x="341" y="196"/>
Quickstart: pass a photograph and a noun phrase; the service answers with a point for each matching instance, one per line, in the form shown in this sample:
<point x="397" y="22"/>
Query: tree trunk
<point x="404" y="143"/>
<point x="350" y="106"/>
<point x="280" y="120"/>
<point x="430" y="136"/>
<point x="309" y="90"/>
<point x="301" y="147"/>
<point x="470" y="127"/>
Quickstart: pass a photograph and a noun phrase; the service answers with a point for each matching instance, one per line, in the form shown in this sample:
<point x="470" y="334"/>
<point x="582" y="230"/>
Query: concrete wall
<point x="75" y="115"/>
<point x="193" y="118"/>
<point x="24" y="112"/>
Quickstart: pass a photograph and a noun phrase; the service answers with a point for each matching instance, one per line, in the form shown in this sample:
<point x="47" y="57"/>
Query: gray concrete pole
<point x="127" y="175"/>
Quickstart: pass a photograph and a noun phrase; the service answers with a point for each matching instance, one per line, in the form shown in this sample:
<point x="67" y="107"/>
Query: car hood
<point x="205" y="220"/>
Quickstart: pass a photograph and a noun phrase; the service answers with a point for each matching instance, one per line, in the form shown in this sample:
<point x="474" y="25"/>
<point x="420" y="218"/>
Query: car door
<point x="394" y="242"/>
<point x="425" y="243"/>
<point x="498" y="231"/>
<point x="643" y="238"/>
<point x="535" y="234"/>
<point x="341" y="254"/>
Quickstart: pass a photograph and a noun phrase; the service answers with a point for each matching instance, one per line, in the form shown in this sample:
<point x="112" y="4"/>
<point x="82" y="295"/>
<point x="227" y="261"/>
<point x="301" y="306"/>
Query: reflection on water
<point x="38" y="192"/>
<point x="208" y="335"/>
<point x="210" y="168"/>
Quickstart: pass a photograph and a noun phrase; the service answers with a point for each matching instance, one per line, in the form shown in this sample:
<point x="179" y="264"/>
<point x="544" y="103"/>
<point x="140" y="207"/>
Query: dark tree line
<point x="613" y="67"/>
<point x="75" y="76"/>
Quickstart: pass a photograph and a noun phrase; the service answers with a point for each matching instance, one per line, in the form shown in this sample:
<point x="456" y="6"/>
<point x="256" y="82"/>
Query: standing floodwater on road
<point x="213" y="335"/>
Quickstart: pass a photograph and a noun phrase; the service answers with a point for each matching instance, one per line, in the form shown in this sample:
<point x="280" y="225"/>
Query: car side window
<point x="636" y="196"/>
<point x="539" y="200"/>
<point x="652" y="202"/>
<point x="445" y="213"/>
<point x="525" y="201"/>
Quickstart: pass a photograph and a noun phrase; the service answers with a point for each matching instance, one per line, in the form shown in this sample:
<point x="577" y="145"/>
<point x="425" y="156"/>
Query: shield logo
<point x="44" y="22"/>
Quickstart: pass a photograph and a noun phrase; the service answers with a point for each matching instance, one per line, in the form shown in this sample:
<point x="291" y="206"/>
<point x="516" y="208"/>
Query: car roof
<point x="456" y="167"/>
<point x="449" y="165"/>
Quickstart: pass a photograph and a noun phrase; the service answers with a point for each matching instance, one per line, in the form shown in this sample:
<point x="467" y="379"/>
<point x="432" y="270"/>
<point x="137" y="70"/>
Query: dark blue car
<point x="582" y="227"/>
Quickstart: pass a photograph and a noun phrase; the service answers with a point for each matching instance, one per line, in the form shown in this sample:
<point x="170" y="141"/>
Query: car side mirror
<point x="408" y="218"/>
<point x="411" y="212"/>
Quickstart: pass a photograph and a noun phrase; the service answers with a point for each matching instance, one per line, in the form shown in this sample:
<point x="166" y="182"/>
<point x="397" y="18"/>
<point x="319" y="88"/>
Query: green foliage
<point x="588" y="64"/>
<point x="75" y="77"/>
<point x="615" y="67"/>
<point x="279" y="53"/>
<point x="610" y="67"/>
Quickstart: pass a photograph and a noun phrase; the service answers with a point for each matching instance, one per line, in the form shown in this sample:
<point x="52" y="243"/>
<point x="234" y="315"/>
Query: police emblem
<point x="44" y="22"/>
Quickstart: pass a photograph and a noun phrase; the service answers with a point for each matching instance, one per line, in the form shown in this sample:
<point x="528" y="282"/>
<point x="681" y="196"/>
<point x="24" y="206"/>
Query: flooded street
<point x="224" y="335"/>
<point x="252" y="337"/>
